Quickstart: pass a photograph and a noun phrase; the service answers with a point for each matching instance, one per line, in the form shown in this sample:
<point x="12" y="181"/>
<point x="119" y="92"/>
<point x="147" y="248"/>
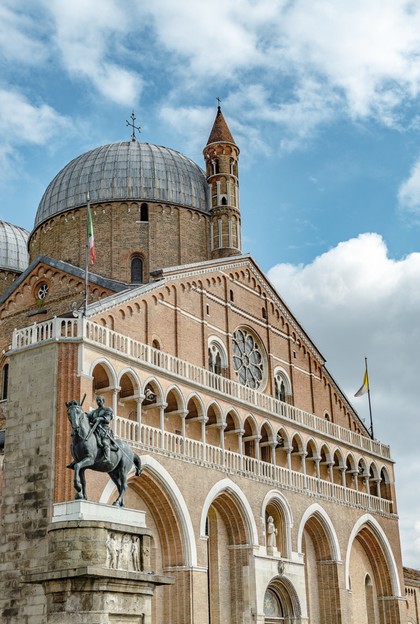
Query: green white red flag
<point x="91" y="238"/>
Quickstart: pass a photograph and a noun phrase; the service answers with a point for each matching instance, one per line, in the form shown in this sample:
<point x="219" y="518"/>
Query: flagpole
<point x="370" y="405"/>
<point x="87" y="253"/>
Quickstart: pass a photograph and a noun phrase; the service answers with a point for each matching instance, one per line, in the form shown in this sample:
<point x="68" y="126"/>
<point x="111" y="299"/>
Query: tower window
<point x="224" y="201"/>
<point x="136" y="270"/>
<point x="144" y="212"/>
<point x="5" y="382"/>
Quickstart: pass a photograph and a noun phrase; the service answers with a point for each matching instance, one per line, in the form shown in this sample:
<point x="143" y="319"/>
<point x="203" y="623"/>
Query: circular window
<point x="248" y="361"/>
<point x="42" y="291"/>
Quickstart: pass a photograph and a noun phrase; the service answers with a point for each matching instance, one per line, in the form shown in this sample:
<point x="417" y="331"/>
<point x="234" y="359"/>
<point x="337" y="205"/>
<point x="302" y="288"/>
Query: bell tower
<point x="221" y="156"/>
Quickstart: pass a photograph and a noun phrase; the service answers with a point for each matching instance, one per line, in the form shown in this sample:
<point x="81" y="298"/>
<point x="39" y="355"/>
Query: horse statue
<point x="88" y="454"/>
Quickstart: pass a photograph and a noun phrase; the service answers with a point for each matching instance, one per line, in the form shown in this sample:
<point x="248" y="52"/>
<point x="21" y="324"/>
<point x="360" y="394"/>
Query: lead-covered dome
<point x="13" y="247"/>
<point x="126" y="170"/>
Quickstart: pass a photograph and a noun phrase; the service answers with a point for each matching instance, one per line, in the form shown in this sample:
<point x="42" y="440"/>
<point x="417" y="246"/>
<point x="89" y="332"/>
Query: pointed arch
<point x="243" y="507"/>
<point x="384" y="551"/>
<point x="286" y="594"/>
<point x="178" y="398"/>
<point x="108" y="368"/>
<point x="323" y="518"/>
<point x="156" y="387"/>
<point x="276" y="499"/>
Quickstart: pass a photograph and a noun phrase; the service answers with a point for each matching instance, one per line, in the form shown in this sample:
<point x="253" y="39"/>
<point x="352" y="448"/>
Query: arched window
<point x="273" y="608"/>
<point x="144" y="212"/>
<point x="282" y="389"/>
<point x="136" y="270"/>
<point x="5" y="382"/>
<point x="217" y="356"/>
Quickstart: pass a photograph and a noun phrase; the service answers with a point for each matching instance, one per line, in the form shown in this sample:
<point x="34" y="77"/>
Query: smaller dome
<point x="13" y="247"/>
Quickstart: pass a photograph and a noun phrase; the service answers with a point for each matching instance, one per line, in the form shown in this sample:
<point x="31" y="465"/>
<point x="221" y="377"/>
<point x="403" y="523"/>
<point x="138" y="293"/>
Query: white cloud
<point x="355" y="301"/>
<point x="337" y="57"/>
<point x="89" y="36"/>
<point x="409" y="192"/>
<point x="21" y="121"/>
<point x="20" y="37"/>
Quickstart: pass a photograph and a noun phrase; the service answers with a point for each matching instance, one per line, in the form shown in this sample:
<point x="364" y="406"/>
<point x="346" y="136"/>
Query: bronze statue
<point x="100" y="419"/>
<point x="94" y="447"/>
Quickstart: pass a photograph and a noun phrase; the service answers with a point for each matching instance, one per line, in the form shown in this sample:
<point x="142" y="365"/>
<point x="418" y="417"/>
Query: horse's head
<point x="74" y="411"/>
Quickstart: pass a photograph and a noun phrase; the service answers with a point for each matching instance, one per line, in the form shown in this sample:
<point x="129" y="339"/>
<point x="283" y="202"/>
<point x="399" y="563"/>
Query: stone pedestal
<point x="98" y="566"/>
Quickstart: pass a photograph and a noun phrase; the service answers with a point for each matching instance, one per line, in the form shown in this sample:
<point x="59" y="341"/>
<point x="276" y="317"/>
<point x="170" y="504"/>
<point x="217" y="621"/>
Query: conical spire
<point x="220" y="132"/>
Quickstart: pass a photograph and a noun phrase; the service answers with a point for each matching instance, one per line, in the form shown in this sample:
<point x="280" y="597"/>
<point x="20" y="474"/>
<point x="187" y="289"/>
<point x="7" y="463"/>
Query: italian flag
<point x="91" y="239"/>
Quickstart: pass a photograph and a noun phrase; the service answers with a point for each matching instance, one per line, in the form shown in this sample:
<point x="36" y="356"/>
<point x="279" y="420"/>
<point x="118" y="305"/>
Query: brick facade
<point x="220" y="456"/>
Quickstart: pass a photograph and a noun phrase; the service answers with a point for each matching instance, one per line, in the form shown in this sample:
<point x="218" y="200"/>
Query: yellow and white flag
<point x="365" y="385"/>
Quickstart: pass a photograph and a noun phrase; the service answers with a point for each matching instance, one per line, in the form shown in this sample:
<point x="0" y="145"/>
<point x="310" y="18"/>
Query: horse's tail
<point x="137" y="464"/>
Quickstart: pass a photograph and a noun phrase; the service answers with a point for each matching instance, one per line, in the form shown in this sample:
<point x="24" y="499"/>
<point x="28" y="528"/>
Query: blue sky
<point x="322" y="98"/>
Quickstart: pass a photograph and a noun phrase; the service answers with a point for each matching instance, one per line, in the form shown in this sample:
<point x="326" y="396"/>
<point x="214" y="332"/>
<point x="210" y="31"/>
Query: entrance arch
<point x="372" y="574"/>
<point x="281" y="603"/>
<point x="230" y="529"/>
<point x="318" y="541"/>
<point x="174" y="547"/>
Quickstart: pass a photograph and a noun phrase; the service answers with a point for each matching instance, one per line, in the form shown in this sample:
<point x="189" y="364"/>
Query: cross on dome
<point x="132" y="125"/>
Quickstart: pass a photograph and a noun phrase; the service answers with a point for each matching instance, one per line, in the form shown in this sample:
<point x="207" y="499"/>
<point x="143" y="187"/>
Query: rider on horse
<point x="100" y="419"/>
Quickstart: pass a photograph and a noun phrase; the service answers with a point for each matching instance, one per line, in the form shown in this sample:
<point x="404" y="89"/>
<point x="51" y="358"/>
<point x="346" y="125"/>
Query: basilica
<point x="262" y="497"/>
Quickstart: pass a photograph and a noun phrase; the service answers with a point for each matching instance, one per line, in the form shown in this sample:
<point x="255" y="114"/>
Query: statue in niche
<point x="112" y="551"/>
<point x="102" y="453"/>
<point x="135" y="553"/>
<point x="125" y="557"/>
<point x="145" y="555"/>
<point x="272" y="532"/>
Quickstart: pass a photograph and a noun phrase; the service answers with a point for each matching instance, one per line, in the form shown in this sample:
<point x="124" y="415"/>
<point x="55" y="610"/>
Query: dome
<point x="13" y="247"/>
<point x="127" y="170"/>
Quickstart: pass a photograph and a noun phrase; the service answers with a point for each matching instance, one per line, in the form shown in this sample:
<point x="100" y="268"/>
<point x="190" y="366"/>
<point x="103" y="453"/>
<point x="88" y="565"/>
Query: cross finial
<point x="218" y="102"/>
<point x="138" y="128"/>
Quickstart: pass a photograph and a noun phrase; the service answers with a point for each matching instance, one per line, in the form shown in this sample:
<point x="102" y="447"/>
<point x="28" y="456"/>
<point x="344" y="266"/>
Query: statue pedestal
<point x="99" y="569"/>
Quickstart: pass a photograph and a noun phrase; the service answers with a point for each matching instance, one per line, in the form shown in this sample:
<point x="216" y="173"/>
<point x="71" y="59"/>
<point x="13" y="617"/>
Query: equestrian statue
<point x="95" y="447"/>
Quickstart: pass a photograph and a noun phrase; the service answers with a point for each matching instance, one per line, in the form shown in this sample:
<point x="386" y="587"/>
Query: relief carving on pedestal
<point x="127" y="552"/>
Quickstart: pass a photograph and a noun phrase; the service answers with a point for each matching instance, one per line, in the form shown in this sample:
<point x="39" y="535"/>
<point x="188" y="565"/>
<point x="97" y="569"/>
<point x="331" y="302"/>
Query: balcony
<point x="150" y="439"/>
<point x="89" y="332"/>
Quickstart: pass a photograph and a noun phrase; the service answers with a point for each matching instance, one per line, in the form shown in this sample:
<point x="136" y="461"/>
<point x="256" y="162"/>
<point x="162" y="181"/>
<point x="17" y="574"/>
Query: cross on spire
<point x="132" y="125"/>
<point x="218" y="102"/>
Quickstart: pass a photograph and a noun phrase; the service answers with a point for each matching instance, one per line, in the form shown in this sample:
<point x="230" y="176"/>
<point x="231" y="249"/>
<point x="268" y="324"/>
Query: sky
<point x="322" y="97"/>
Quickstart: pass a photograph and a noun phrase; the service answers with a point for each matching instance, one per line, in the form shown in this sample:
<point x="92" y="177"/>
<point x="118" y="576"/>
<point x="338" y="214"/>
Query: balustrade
<point x="91" y="332"/>
<point x="194" y="451"/>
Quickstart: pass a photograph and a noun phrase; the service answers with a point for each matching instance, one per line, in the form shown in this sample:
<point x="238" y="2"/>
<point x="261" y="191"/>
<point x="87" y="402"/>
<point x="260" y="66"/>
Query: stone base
<point x="86" y="510"/>
<point x="95" y="595"/>
<point x="98" y="566"/>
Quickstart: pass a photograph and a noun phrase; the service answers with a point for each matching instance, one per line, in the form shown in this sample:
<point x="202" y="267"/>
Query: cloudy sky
<point x="323" y="99"/>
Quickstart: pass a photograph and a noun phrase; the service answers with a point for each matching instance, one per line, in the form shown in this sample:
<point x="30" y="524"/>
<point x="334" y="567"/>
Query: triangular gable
<point x="62" y="282"/>
<point x="66" y="267"/>
<point x="233" y="268"/>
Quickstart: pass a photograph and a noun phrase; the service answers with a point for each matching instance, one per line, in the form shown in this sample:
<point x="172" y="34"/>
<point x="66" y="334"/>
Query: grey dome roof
<point x="13" y="247"/>
<point x="126" y="170"/>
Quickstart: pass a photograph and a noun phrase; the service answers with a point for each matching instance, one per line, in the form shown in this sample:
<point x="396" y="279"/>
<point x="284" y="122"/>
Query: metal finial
<point x="218" y="102"/>
<point x="132" y="125"/>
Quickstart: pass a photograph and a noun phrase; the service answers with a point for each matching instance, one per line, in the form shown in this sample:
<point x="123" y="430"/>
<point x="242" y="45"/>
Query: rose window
<point x="248" y="361"/>
<point x="42" y="291"/>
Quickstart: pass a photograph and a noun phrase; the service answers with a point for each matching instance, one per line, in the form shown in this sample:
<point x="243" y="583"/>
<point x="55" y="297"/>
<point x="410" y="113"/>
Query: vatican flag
<point x="364" y="387"/>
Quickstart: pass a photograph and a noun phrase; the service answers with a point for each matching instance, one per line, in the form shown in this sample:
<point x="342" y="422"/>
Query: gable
<point x="192" y="309"/>
<point x="43" y="291"/>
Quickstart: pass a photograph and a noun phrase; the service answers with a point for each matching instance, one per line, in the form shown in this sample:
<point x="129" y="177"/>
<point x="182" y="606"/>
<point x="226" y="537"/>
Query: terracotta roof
<point x="411" y="574"/>
<point x="220" y="131"/>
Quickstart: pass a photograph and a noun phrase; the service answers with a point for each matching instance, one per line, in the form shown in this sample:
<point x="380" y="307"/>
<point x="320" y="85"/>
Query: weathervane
<point x="132" y="125"/>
